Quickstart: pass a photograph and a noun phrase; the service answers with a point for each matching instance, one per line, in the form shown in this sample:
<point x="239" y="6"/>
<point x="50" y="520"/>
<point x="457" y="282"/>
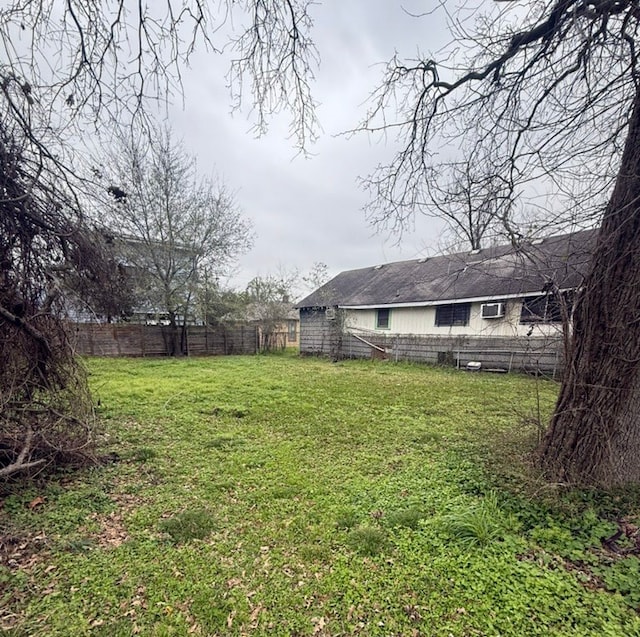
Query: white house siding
<point x="422" y="321"/>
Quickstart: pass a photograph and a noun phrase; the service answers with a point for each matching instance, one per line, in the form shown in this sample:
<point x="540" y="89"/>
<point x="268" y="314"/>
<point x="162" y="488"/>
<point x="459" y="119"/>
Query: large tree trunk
<point x="594" y="435"/>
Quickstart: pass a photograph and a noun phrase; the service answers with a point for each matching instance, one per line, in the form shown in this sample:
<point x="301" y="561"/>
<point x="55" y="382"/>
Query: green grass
<point x="285" y="496"/>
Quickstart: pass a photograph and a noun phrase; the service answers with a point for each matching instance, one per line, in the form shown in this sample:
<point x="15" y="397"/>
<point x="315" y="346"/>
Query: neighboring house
<point x="502" y="306"/>
<point x="163" y="276"/>
<point x="278" y="324"/>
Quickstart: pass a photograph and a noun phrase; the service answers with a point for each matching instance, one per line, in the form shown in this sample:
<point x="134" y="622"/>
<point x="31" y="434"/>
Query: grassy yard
<point x="286" y="496"/>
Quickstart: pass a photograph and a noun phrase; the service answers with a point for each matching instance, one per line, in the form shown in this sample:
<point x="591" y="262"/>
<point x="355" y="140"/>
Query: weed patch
<point x="144" y="454"/>
<point x="367" y="540"/>
<point x="347" y="519"/>
<point x="223" y="443"/>
<point x="409" y="518"/>
<point x="188" y="525"/>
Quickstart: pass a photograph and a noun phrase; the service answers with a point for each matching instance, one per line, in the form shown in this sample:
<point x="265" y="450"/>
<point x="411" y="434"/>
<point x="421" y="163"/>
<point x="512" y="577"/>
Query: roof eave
<point x="474" y="299"/>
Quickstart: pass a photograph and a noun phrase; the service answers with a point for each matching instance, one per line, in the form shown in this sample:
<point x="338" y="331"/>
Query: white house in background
<point x="463" y="306"/>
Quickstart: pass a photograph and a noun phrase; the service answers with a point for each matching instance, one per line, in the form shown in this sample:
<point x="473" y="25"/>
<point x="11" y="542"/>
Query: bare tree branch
<point x="547" y="103"/>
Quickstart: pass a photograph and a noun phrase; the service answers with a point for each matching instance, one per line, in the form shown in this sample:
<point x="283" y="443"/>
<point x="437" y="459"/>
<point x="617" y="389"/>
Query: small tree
<point x="218" y="305"/>
<point x="172" y="226"/>
<point x="317" y="276"/>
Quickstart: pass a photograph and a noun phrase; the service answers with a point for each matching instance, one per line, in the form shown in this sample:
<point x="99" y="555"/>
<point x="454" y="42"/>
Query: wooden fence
<point x="319" y="336"/>
<point x="127" y="339"/>
<point x="539" y="355"/>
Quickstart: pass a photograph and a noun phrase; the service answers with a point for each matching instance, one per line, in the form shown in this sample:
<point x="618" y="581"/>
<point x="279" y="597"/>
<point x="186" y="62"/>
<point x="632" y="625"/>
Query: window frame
<point x="387" y="322"/>
<point x="453" y="315"/>
<point x="542" y="309"/>
<point x="292" y="331"/>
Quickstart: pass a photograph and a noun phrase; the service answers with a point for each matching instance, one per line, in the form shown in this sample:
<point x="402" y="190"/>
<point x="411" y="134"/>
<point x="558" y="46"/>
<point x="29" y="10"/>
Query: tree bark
<point x="175" y="348"/>
<point x="594" y="434"/>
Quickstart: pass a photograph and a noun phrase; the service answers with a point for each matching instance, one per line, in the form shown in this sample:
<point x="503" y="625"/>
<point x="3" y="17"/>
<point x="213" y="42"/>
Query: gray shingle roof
<point x="497" y="271"/>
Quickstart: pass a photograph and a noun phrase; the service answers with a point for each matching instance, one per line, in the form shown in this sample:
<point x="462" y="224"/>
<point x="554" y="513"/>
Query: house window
<point x="542" y="309"/>
<point x="292" y="331"/>
<point x="382" y="319"/>
<point x="454" y="314"/>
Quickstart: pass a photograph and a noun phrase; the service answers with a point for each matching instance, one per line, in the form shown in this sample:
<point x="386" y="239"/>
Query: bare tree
<point x="172" y="226"/>
<point x="551" y="95"/>
<point x="68" y="62"/>
<point x="471" y="203"/>
<point x="317" y="276"/>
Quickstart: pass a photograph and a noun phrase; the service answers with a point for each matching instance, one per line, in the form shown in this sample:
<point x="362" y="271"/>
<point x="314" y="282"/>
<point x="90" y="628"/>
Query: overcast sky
<point x="309" y="209"/>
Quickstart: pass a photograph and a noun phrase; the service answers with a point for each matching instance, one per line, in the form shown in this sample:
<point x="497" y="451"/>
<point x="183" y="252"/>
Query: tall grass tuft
<point x="480" y="524"/>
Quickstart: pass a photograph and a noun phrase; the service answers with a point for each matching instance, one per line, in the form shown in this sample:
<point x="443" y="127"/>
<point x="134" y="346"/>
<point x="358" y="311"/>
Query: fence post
<point x="142" y="340"/>
<point x="114" y="331"/>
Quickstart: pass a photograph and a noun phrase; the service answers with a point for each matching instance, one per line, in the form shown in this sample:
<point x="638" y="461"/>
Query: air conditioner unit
<point x="492" y="310"/>
<point x="330" y="313"/>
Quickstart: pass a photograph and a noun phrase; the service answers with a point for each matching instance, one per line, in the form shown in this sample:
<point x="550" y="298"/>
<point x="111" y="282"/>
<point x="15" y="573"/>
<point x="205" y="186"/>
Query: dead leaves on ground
<point x="112" y="531"/>
<point x="36" y="502"/>
<point x="22" y="552"/>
